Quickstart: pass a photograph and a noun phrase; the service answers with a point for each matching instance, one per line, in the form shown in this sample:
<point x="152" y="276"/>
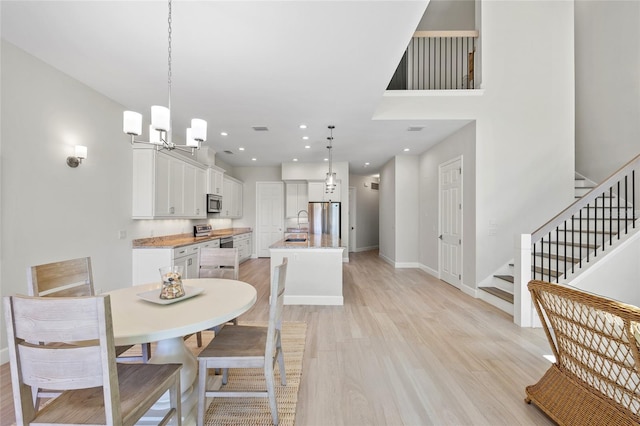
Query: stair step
<point x="559" y="258"/>
<point x="547" y="272"/>
<point x="504" y="295"/>
<point x="570" y="244"/>
<point x="504" y="277"/>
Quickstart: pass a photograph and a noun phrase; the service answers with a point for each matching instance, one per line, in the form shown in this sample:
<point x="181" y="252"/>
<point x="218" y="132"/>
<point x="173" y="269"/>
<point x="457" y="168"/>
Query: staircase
<point x="600" y="218"/>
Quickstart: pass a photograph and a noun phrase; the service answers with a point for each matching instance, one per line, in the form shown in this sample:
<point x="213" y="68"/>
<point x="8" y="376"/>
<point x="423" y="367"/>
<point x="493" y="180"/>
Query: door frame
<point x="353" y="229"/>
<point x="440" y="214"/>
<point x="257" y="218"/>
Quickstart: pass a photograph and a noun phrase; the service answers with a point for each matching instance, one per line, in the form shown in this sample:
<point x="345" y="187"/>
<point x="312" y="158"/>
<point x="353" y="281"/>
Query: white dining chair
<point x="94" y="389"/>
<point x="218" y="263"/>
<point x="244" y="346"/>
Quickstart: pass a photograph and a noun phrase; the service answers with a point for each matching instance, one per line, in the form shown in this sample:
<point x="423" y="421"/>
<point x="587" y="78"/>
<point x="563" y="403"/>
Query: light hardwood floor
<point x="405" y="349"/>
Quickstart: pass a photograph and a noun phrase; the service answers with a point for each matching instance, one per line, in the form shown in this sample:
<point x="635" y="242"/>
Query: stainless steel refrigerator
<point x="324" y="218"/>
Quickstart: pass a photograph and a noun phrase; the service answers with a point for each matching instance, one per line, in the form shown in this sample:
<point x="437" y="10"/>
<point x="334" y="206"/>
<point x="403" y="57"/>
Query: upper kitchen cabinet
<point x="297" y="198"/>
<point x="215" y="182"/>
<point x="317" y="192"/>
<point x="231" y="198"/>
<point x="167" y="186"/>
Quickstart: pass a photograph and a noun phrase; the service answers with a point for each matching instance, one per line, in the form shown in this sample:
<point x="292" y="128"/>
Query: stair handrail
<point x="583" y="201"/>
<point x="524" y="314"/>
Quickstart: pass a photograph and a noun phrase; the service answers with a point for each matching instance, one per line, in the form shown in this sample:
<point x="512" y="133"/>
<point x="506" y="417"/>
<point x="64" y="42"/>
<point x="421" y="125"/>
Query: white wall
<point x="446" y="15"/>
<point x="367" y="212"/>
<point x="607" y="86"/>
<point x="407" y="210"/>
<point x="524" y="122"/>
<point x="460" y="144"/>
<point x="387" y="249"/>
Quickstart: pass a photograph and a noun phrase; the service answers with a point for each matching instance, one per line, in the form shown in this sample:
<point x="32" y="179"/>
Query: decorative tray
<point x="153" y="296"/>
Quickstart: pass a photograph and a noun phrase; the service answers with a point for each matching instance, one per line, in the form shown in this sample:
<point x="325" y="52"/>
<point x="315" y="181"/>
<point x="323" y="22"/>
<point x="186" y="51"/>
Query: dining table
<point x="139" y="315"/>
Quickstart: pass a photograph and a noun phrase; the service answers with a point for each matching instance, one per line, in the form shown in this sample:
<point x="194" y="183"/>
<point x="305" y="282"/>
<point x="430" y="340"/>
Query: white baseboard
<point x="386" y="259"/>
<point x="430" y="271"/>
<point x="314" y="300"/>
<point x="401" y="265"/>
<point x="4" y="356"/>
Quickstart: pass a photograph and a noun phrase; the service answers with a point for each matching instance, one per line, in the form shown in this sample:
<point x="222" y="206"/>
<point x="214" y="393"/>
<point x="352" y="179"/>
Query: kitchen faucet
<point x="299" y="216"/>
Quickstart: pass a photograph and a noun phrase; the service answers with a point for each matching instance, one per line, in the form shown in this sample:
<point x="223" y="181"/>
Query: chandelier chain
<point x="169" y="55"/>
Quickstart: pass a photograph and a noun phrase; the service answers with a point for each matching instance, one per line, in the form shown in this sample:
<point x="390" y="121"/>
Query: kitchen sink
<point x="295" y="240"/>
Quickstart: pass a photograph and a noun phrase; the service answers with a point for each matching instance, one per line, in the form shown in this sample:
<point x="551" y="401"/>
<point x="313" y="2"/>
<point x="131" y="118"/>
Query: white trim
<point x="314" y="300"/>
<point x="432" y="93"/>
<point x="4" y="355"/>
<point x="386" y="259"/>
<point x="430" y="271"/>
<point x="401" y="265"/>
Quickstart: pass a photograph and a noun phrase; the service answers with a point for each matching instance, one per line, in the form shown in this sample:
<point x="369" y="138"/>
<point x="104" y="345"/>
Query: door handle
<point x="440" y="236"/>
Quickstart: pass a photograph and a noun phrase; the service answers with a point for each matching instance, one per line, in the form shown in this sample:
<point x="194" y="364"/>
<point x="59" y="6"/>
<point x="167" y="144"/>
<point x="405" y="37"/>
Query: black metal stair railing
<point x="437" y="60"/>
<point x="587" y="228"/>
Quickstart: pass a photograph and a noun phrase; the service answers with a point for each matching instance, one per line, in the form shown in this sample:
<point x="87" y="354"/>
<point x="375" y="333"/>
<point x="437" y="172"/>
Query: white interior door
<point x="269" y="215"/>
<point x="451" y="221"/>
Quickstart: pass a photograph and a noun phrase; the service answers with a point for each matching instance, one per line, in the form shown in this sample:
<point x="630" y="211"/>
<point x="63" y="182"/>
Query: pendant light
<point x="160" y="131"/>
<point x="330" y="181"/>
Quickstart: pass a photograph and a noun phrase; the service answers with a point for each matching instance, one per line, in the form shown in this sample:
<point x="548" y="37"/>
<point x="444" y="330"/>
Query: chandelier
<point x="160" y="132"/>
<point x="330" y="181"/>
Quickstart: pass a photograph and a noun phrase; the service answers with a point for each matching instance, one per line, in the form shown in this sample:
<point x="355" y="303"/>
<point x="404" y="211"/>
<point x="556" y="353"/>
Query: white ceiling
<point x="239" y="64"/>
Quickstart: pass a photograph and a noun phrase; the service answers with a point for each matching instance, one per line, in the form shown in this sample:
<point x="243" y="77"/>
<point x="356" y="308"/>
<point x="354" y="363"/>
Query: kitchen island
<point x="314" y="271"/>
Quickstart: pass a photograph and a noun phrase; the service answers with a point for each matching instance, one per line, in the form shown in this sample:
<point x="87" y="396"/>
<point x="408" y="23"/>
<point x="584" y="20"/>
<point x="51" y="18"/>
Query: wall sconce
<point x="81" y="154"/>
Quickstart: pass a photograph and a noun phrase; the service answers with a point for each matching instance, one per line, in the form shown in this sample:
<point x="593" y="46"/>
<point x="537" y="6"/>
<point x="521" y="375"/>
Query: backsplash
<point x="157" y="228"/>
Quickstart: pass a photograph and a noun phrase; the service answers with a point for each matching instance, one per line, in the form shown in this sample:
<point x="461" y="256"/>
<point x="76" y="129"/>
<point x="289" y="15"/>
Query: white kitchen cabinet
<point x="215" y="181"/>
<point x="317" y="192"/>
<point x="297" y="198"/>
<point x="243" y="243"/>
<point x="148" y="261"/>
<point x="166" y="186"/>
<point x="231" y="198"/>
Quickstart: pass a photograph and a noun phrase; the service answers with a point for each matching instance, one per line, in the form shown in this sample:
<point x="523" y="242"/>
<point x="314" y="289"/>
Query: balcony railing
<point x="437" y="60"/>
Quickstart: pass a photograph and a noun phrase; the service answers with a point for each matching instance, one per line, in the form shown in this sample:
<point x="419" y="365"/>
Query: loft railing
<point x="437" y="60"/>
<point x="578" y="235"/>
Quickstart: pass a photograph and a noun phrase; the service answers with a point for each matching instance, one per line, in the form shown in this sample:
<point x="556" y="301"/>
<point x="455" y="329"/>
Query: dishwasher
<point x="226" y="242"/>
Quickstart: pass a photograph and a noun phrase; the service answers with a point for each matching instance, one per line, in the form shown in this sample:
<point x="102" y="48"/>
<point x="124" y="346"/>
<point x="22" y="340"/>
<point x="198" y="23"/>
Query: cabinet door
<point x="215" y="182"/>
<point x="200" y="193"/>
<point x="176" y="187"/>
<point x="227" y="198"/>
<point x="189" y="264"/>
<point x="189" y="190"/>
<point x="291" y="200"/>
<point x="162" y="185"/>
<point x="237" y="198"/>
<point x="316" y="191"/>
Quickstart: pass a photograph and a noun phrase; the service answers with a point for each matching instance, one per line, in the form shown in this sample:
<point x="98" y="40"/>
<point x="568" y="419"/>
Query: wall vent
<point x="260" y="128"/>
<point x="374" y="185"/>
<point x="415" y="128"/>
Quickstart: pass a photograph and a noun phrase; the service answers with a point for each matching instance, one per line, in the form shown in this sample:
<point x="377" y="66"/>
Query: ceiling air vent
<point x="415" y="128"/>
<point x="260" y="128"/>
<point x="226" y="151"/>
<point x="374" y="185"/>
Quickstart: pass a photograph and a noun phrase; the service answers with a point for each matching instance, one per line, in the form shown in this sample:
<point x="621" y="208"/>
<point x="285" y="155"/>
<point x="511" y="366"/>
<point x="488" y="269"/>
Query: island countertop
<point x="314" y="241"/>
<point x="180" y="240"/>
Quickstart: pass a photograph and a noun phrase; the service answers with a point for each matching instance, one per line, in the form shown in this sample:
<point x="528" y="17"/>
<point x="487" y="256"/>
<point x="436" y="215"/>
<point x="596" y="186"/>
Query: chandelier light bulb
<point x="132" y="123"/>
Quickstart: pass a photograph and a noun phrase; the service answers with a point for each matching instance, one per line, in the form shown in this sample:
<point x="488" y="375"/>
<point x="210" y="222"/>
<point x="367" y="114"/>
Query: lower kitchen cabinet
<point x="148" y="261"/>
<point x="243" y="243"/>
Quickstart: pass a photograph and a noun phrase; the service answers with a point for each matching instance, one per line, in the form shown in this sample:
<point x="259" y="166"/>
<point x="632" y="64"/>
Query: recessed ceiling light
<point x="303" y="126"/>
<point x="305" y="138"/>
<point x="295" y="159"/>
<point x="307" y="146"/>
<point x="366" y="164"/>
<point x="254" y="159"/>
<point x="241" y="149"/>
<point x="406" y="150"/>
<point x="224" y="134"/>
<point x="326" y="159"/>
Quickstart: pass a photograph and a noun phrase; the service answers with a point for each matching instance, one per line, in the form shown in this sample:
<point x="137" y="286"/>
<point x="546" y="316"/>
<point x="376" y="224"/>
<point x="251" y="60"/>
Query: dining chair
<point x="218" y="263"/>
<point x="245" y="346"/>
<point x="94" y="388"/>
<point x="69" y="278"/>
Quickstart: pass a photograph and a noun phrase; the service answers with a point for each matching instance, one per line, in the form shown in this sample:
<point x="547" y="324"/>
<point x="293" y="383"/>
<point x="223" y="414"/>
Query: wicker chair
<point x="596" y="377"/>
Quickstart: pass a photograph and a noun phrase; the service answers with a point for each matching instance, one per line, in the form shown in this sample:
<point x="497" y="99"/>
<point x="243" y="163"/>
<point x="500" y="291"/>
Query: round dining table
<point x="140" y="316"/>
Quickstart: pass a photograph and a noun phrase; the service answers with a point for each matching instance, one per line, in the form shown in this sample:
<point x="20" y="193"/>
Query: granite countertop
<point x="314" y="241"/>
<point x="180" y="240"/>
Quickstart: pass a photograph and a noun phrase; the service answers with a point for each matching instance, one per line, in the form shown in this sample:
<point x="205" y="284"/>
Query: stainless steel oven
<point x="214" y="203"/>
<point x="226" y="242"/>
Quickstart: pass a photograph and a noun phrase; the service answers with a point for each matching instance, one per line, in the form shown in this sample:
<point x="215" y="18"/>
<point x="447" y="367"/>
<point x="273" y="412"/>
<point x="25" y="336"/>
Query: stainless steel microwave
<point x="214" y="203"/>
